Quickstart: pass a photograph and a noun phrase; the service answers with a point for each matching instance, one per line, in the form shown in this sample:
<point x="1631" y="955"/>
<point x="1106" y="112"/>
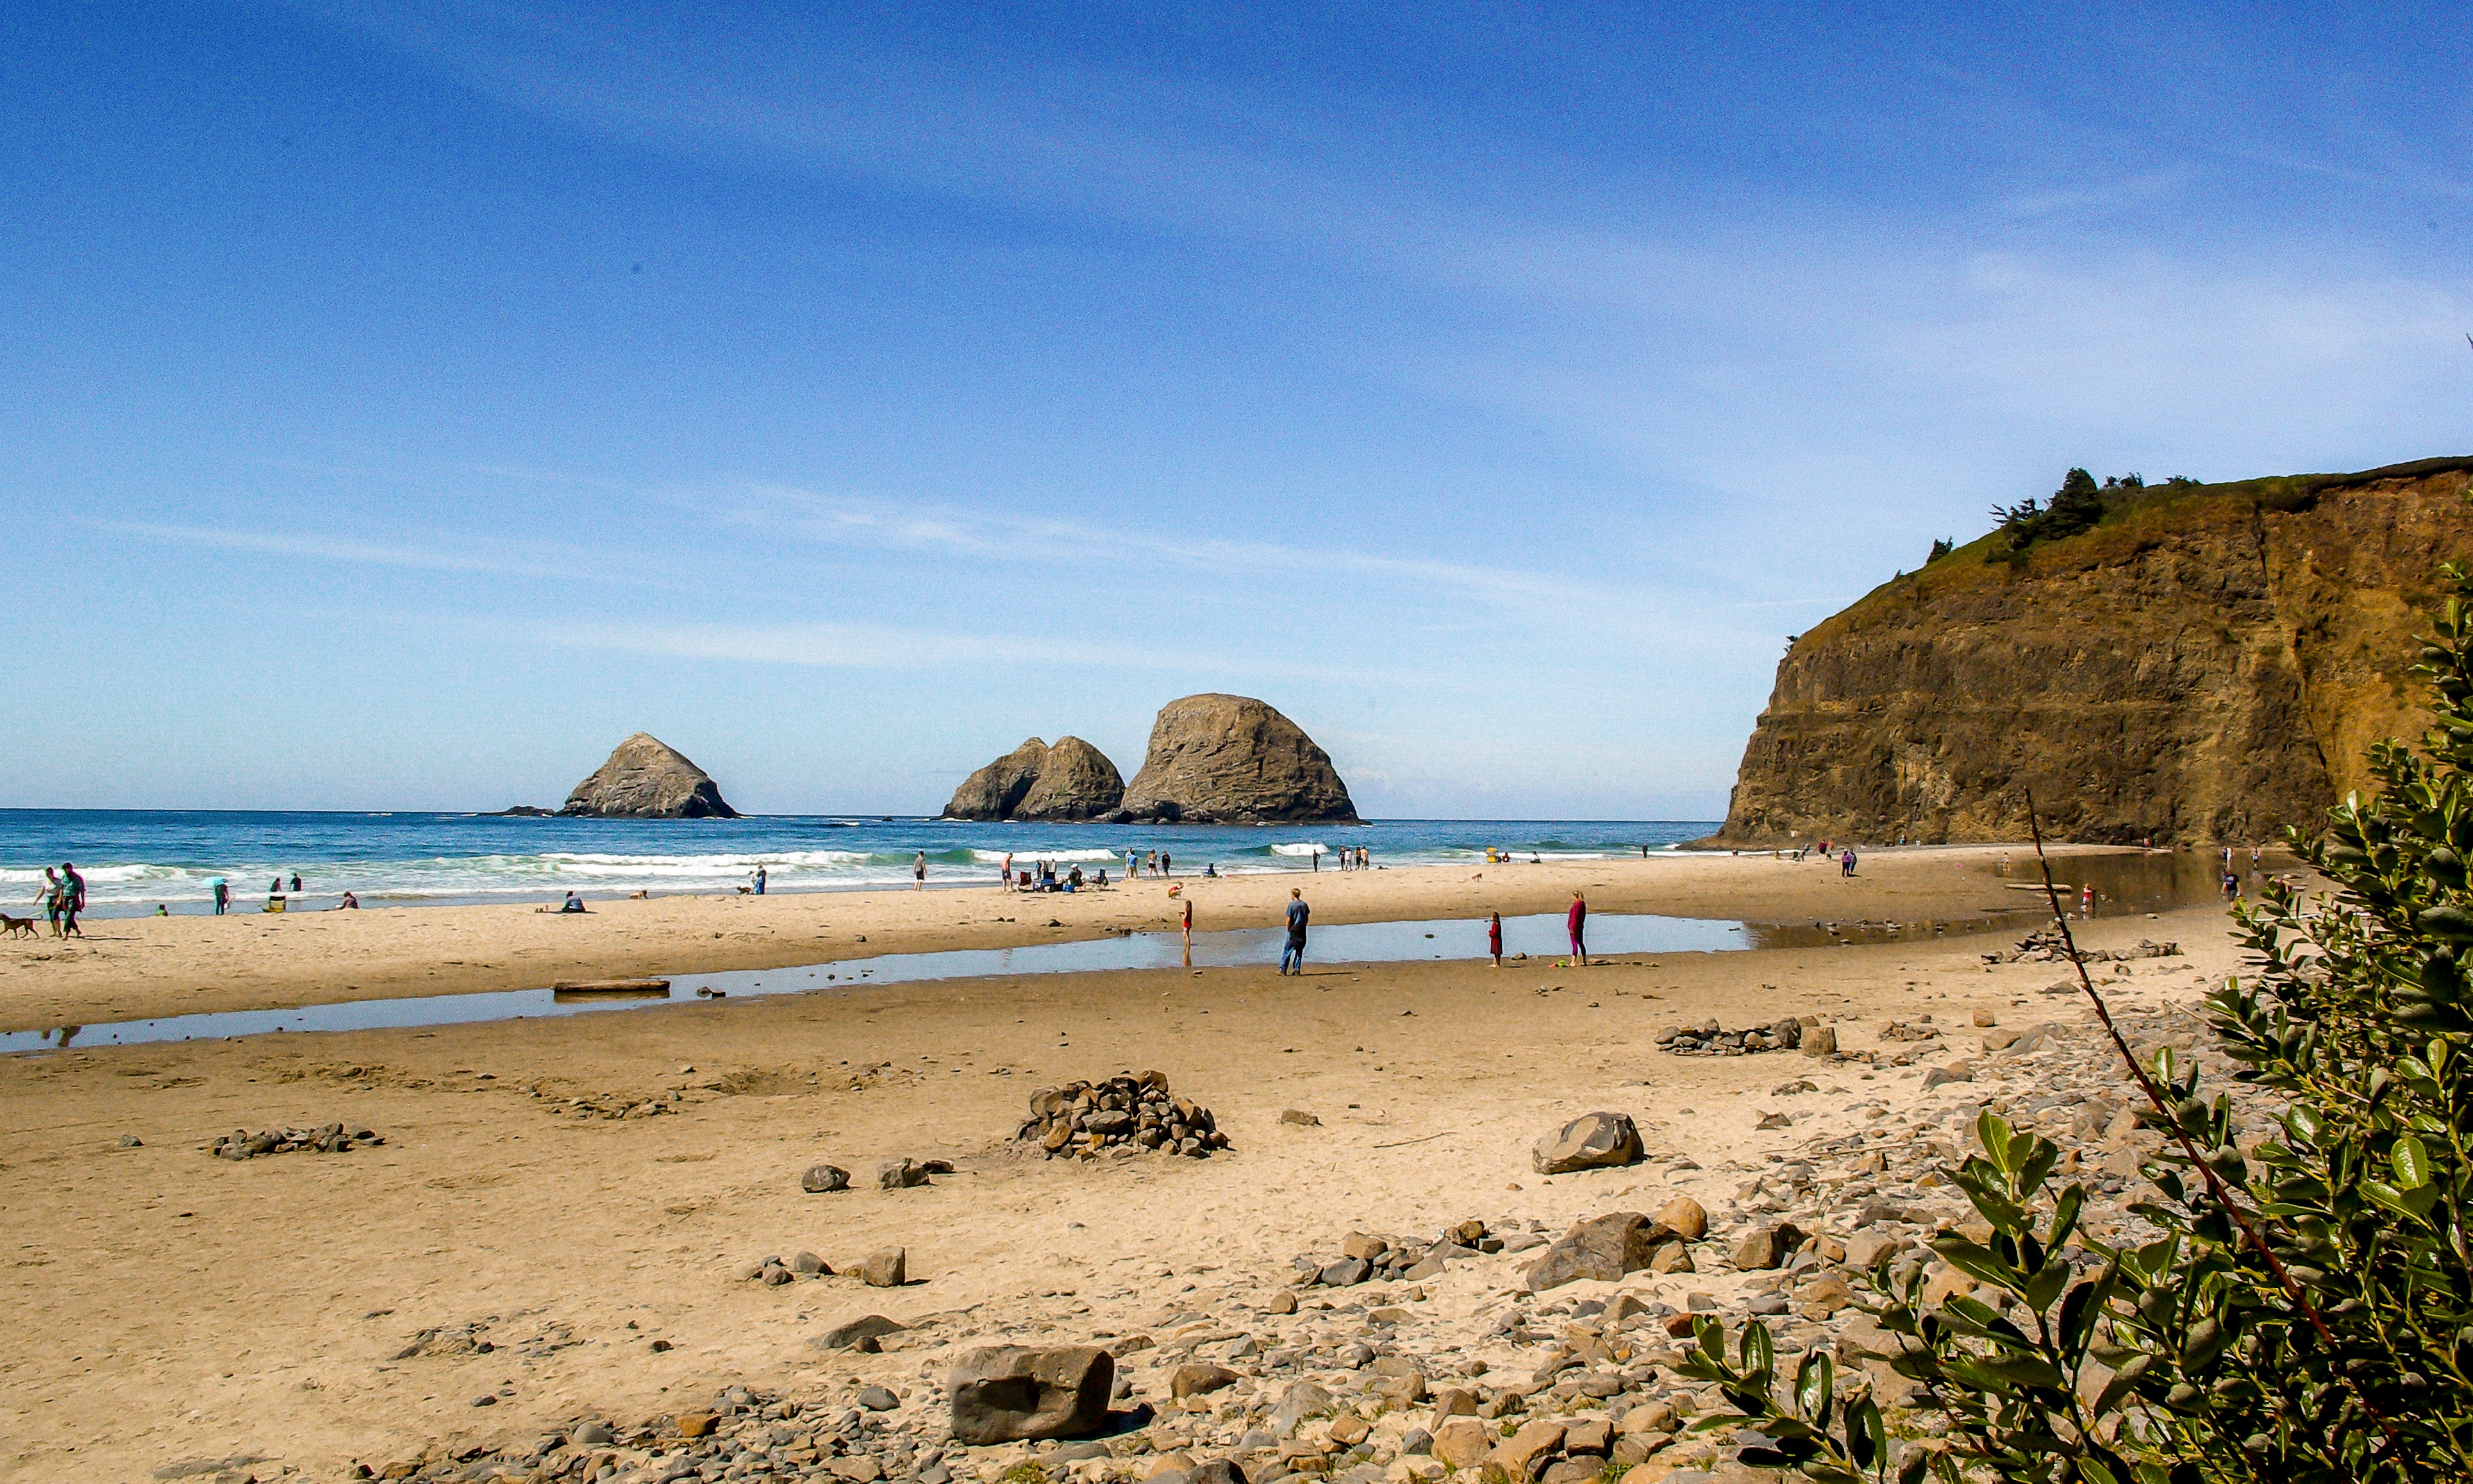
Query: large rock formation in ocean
<point x="646" y="779"/>
<point x="1233" y="760"/>
<point x="1071" y="781"/>
<point x="2208" y="662"/>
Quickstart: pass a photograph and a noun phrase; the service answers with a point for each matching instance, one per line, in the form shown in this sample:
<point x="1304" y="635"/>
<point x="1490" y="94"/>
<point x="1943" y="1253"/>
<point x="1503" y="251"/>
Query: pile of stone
<point x="2045" y="945"/>
<point x="1367" y="1259"/>
<point x="1920" y="1028"/>
<point x="1710" y="1039"/>
<point x="1122" y="1115"/>
<point x="325" y="1139"/>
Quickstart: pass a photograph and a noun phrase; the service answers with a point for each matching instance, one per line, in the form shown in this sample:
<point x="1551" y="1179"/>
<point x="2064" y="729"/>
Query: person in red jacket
<point x="1494" y="937"/>
<point x="1578" y="920"/>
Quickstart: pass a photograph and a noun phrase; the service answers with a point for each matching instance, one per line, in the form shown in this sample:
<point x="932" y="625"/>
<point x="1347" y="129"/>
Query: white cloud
<point x="346" y="549"/>
<point x="877" y="646"/>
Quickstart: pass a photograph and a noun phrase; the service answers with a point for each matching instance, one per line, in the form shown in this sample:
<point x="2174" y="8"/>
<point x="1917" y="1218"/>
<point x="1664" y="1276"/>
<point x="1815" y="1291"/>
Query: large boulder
<point x="1012" y="1393"/>
<point x="1603" y="1248"/>
<point x="1590" y="1142"/>
<point x="1071" y="781"/>
<point x="1230" y="760"/>
<point x="646" y="779"/>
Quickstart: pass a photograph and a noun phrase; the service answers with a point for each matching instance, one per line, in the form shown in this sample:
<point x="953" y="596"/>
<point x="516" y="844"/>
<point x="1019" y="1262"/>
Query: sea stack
<point x="1233" y="760"/>
<point x="646" y="779"/>
<point x="1069" y="781"/>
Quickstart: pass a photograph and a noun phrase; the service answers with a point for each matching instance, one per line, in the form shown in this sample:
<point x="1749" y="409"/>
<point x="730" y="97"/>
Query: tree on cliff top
<point x="2077" y="505"/>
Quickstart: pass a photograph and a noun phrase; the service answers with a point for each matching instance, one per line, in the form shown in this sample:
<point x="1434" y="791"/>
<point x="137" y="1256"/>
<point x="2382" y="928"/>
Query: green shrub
<point x="2307" y="1314"/>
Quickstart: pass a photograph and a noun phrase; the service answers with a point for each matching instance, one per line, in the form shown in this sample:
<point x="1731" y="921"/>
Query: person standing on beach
<point x="1578" y="920"/>
<point x="223" y="893"/>
<point x="50" y="898"/>
<point x="1008" y="871"/>
<point x="1188" y="932"/>
<point x="1846" y="862"/>
<point x="919" y="870"/>
<point x="1494" y="937"/>
<point x="1166" y="868"/>
<point x="72" y="900"/>
<point x="296" y="883"/>
<point x="1292" y="958"/>
<point x="759" y="881"/>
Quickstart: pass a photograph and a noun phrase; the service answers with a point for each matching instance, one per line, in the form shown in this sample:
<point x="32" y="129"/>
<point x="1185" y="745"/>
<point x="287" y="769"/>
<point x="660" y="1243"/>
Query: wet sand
<point x="142" y="967"/>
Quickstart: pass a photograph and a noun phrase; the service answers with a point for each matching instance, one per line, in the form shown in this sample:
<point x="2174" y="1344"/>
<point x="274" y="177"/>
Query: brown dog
<point x="12" y="928"/>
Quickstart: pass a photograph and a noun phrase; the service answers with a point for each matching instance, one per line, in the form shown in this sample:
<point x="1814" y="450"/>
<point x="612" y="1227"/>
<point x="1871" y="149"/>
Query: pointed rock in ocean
<point x="1071" y="781"/>
<point x="1233" y="760"/>
<point x="646" y="779"/>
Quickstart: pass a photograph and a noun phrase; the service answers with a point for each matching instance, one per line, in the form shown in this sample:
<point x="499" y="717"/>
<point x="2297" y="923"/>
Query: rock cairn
<point x="1710" y="1039"/>
<point x="325" y="1139"/>
<point x="1122" y="1115"/>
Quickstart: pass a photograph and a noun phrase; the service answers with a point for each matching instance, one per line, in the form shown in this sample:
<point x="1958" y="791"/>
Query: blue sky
<point x="404" y="402"/>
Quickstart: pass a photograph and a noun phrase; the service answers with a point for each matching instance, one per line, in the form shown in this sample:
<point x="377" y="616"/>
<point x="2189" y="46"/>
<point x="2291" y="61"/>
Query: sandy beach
<point x="196" y="1309"/>
<point x="140" y="968"/>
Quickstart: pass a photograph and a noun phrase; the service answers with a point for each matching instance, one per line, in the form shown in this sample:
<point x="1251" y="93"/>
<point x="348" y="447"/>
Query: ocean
<point x="134" y="860"/>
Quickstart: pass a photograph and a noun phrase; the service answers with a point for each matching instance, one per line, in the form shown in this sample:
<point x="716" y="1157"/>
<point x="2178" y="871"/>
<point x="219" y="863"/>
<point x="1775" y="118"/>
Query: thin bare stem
<point x="2215" y="1186"/>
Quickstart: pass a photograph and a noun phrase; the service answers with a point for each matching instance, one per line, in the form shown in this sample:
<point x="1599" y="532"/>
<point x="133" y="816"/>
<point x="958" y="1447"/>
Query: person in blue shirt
<point x="1292" y="958"/>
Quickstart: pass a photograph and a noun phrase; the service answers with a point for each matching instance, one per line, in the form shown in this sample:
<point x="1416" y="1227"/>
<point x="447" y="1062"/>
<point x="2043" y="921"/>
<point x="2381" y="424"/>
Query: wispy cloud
<point x="835" y="519"/>
<point x="346" y="549"/>
<point x="885" y="647"/>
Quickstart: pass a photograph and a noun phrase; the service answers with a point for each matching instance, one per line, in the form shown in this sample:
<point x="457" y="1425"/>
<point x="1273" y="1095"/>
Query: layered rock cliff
<point x="1233" y="760"/>
<point x="1071" y="781"/>
<point x="2206" y="664"/>
<point x="646" y="779"/>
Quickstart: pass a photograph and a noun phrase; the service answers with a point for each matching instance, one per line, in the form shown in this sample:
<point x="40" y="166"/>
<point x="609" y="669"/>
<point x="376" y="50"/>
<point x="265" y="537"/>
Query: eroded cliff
<point x="2208" y="663"/>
